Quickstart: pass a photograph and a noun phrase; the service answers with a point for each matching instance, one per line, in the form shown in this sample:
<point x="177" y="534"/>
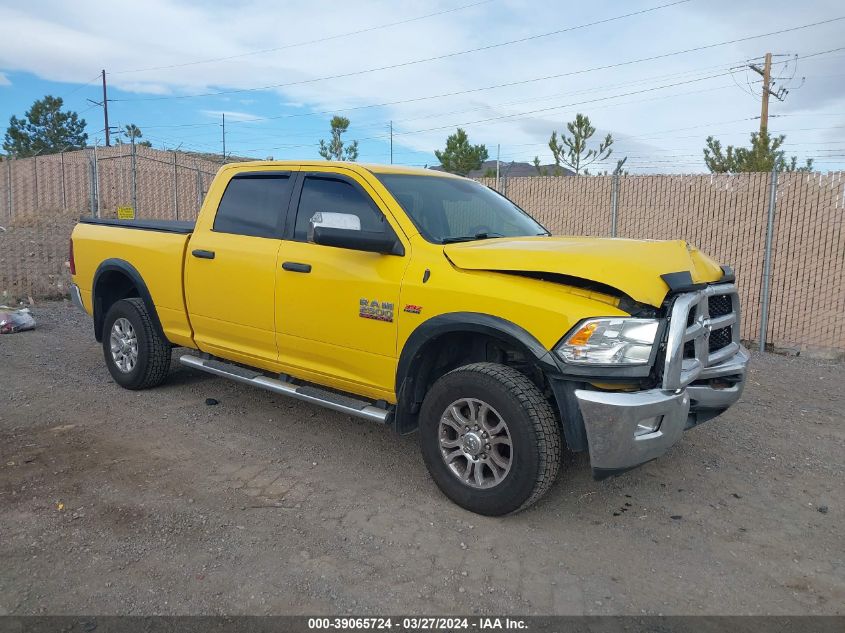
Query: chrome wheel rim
<point x="475" y="443"/>
<point x="124" y="345"/>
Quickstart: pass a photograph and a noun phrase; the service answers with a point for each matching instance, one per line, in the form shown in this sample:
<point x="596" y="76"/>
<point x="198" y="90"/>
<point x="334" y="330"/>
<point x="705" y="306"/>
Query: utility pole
<point x="106" y="109"/>
<point x="134" y="179"/>
<point x="766" y="73"/>
<point x="224" y="137"/>
<point x="498" y="150"/>
<point x="391" y="142"/>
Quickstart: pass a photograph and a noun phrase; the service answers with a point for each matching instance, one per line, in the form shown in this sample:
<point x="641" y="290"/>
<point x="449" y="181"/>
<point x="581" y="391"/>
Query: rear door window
<point x="254" y="205"/>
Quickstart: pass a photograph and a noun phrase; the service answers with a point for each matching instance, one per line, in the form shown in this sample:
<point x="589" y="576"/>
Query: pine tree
<point x="764" y="154"/>
<point x="133" y="133"/>
<point x="45" y="129"/>
<point x="541" y="171"/>
<point x="335" y="148"/>
<point x="573" y="152"/>
<point x="459" y="157"/>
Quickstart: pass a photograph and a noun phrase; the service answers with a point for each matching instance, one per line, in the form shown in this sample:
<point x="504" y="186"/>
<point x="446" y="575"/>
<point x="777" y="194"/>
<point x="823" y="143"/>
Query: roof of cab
<point x="371" y="167"/>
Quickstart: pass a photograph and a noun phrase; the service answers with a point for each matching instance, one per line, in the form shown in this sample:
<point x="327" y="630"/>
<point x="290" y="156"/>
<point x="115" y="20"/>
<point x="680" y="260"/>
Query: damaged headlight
<point x="610" y="341"/>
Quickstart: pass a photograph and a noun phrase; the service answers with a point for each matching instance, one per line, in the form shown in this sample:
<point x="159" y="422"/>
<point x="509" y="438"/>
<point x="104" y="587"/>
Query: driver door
<point x="337" y="308"/>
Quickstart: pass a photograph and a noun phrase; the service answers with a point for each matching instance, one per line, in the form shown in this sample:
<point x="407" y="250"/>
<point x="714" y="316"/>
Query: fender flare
<point x="127" y="269"/>
<point x="411" y="360"/>
<point x="474" y="322"/>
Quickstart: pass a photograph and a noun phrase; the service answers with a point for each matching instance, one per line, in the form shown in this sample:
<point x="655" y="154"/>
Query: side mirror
<point x="331" y="219"/>
<point x="384" y="242"/>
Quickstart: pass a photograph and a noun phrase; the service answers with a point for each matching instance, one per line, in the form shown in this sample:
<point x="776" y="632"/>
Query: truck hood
<point x="632" y="266"/>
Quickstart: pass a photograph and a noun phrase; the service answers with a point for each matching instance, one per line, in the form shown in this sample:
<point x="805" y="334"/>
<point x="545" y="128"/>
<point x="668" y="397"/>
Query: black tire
<point x="532" y="426"/>
<point x="153" y="360"/>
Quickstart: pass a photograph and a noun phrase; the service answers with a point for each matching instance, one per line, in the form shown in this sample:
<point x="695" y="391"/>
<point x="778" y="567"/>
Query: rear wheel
<point x="489" y="438"/>
<point x="137" y="356"/>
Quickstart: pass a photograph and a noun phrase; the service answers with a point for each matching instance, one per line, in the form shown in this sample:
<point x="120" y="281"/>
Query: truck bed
<point x="151" y="252"/>
<point x="164" y="226"/>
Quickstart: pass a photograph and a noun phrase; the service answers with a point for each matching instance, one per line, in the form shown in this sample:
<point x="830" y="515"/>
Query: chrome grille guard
<point x="679" y="371"/>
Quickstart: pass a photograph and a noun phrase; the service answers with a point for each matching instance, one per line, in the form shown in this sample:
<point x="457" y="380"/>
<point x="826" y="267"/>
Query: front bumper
<point x="612" y="419"/>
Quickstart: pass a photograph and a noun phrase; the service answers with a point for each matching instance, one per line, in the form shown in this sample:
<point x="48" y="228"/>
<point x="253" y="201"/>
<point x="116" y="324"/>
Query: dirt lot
<point x="154" y="502"/>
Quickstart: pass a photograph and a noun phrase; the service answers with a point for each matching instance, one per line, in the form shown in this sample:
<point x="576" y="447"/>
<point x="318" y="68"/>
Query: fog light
<point x="649" y="425"/>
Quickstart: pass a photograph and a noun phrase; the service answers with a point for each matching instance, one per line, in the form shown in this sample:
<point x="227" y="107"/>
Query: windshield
<point x="454" y="210"/>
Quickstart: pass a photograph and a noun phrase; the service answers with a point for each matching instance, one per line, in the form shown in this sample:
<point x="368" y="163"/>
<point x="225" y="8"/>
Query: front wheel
<point x="136" y="354"/>
<point x="489" y="438"/>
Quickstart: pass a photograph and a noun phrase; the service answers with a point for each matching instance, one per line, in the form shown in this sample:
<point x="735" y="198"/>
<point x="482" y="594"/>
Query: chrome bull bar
<point x="680" y="370"/>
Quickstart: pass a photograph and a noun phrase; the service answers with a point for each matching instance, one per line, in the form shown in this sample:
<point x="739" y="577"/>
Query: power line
<point x="813" y="114"/>
<point x="238" y="135"/>
<point x="305" y="43"/>
<point x="448" y="94"/>
<point x="558" y="95"/>
<point x="559" y="107"/>
<point x="514" y="83"/>
<point x="435" y="96"/>
<point x="81" y="86"/>
<point x="425" y="59"/>
<point x="511" y="116"/>
<point x="523" y="114"/>
<point x="247" y="139"/>
<point x="543" y="98"/>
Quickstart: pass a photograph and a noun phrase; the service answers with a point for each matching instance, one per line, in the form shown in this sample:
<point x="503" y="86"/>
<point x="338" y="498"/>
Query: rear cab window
<point x="254" y="204"/>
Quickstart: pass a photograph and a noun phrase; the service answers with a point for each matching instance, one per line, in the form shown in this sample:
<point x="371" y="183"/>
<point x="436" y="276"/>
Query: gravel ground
<point x="119" y="502"/>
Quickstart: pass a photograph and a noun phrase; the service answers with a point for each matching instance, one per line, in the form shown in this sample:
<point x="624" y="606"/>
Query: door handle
<point x="296" y="267"/>
<point x="203" y="254"/>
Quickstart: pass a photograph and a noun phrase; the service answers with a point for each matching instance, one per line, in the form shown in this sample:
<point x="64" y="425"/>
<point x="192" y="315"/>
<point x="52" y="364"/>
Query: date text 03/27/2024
<point x="418" y="623"/>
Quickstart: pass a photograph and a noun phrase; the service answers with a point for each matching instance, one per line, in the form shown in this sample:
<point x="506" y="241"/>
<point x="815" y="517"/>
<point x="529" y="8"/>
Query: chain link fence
<point x="799" y="305"/>
<point x="99" y="181"/>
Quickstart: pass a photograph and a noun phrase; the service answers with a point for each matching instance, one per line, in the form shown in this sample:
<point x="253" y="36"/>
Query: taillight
<point x="70" y="259"/>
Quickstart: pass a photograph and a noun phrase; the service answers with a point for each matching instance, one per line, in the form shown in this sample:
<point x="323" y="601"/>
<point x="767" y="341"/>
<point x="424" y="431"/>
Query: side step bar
<point x="315" y="395"/>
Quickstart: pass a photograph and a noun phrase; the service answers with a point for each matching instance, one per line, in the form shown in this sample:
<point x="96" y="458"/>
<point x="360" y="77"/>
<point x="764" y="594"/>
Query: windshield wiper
<point x="469" y="238"/>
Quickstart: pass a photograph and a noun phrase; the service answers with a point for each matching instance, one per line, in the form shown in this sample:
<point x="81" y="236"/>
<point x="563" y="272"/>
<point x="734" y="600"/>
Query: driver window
<point x="327" y="196"/>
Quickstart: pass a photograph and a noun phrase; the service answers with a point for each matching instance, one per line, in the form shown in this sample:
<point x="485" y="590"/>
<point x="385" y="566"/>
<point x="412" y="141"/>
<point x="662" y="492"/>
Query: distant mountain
<point x="511" y="169"/>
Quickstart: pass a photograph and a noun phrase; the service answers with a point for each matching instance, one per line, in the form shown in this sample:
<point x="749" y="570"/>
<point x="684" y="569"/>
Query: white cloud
<point x="231" y="115"/>
<point x="4" y="80"/>
<point x="58" y="41"/>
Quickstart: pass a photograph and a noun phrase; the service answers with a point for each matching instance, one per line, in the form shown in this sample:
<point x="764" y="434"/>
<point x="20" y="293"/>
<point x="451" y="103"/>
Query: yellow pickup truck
<point x="428" y="302"/>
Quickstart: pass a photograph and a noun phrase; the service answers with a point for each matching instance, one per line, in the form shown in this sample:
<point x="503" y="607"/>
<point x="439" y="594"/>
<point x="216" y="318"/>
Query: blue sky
<point x="164" y="65"/>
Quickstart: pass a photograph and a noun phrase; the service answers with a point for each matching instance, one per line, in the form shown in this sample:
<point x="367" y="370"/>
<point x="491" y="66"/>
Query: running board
<point x="315" y="395"/>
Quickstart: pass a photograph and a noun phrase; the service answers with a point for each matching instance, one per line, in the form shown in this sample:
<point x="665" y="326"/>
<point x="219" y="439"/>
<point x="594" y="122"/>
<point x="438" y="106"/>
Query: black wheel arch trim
<point x="411" y="361"/>
<point x="127" y="269"/>
<point x="474" y="322"/>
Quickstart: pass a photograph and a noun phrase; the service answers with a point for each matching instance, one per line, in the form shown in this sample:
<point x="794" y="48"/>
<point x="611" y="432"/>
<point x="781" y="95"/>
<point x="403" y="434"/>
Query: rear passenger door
<point x="230" y="269"/>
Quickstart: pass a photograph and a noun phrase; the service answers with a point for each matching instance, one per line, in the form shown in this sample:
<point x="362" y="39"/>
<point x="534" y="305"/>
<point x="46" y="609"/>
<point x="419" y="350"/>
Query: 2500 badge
<point x="377" y="310"/>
